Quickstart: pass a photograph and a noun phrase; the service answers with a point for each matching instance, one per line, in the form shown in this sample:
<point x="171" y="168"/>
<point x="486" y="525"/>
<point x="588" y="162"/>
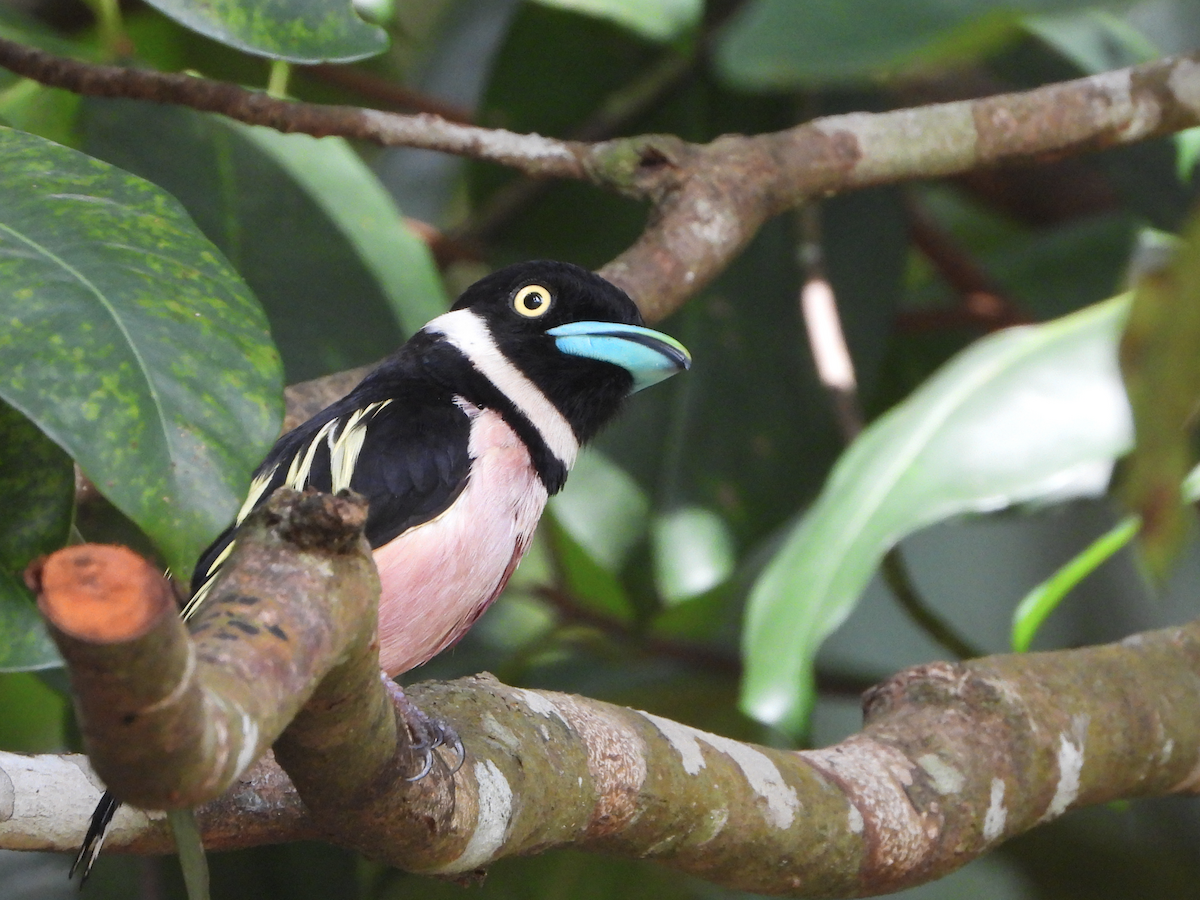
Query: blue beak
<point x="649" y="356"/>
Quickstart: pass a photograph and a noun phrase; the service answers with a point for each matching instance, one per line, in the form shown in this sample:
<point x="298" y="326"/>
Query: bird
<point x="457" y="440"/>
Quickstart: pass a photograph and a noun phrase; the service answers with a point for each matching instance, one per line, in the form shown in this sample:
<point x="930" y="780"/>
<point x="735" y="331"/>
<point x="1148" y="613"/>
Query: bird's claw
<point x="426" y="732"/>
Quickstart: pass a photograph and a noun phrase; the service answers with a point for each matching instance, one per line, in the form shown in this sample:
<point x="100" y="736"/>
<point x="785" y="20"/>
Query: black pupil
<point x="534" y="300"/>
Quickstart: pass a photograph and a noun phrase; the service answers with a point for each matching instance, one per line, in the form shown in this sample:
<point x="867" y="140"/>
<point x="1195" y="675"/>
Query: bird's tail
<point x="89" y="850"/>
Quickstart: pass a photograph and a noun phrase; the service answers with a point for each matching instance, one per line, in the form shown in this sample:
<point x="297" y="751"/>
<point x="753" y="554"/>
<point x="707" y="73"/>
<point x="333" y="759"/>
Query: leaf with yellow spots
<point x="131" y="343"/>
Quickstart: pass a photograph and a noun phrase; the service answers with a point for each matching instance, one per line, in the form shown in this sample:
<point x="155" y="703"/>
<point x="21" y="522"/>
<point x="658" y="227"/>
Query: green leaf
<point x="130" y="342"/>
<point x="777" y="45"/>
<point x="603" y="509"/>
<point x="1032" y="413"/>
<point x="45" y="111"/>
<point x="34" y="715"/>
<point x="37" y="489"/>
<point x="300" y="31"/>
<point x="1095" y="40"/>
<point x="1032" y="611"/>
<point x="1161" y="367"/>
<point x="693" y="553"/>
<point x="589" y="584"/>
<point x="1187" y="151"/>
<point x="304" y="221"/>
<point x="339" y="182"/>
<point x="658" y="20"/>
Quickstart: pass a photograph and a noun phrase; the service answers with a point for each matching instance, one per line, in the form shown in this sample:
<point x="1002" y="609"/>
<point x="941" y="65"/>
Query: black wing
<point x="402" y="444"/>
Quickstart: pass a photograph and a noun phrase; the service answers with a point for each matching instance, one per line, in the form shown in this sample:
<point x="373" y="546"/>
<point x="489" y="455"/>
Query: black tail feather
<point x="89" y="850"/>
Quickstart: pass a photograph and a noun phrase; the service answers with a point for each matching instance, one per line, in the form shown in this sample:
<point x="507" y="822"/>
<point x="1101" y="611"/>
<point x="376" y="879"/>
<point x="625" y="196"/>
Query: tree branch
<point x="528" y="153"/>
<point x="954" y="759"/>
<point x="288" y="623"/>
<point x="710" y="200"/>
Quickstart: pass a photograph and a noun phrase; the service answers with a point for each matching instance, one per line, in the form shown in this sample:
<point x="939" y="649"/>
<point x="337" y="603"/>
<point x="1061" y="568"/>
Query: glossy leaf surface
<point x="37" y="492"/>
<point x="658" y="20"/>
<point x="785" y="45"/>
<point x="302" y="31"/>
<point x="1032" y="413"/>
<point x="338" y="181"/>
<point x="131" y="343"/>
<point x="342" y="279"/>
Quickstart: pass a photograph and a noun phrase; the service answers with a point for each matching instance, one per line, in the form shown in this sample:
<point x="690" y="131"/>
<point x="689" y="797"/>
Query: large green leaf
<point x="302" y="31"/>
<point x="658" y="20"/>
<point x="786" y="45"/>
<point x="1032" y="413"/>
<point x="338" y="181"/>
<point x="37" y="491"/>
<point x="342" y="278"/>
<point x="603" y="509"/>
<point x="130" y="342"/>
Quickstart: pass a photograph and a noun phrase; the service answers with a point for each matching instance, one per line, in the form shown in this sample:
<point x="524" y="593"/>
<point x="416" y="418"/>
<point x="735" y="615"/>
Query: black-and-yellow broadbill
<point x="457" y="440"/>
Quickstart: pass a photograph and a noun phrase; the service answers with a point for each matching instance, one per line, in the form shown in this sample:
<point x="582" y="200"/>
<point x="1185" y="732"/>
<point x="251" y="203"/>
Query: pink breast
<point x="439" y="577"/>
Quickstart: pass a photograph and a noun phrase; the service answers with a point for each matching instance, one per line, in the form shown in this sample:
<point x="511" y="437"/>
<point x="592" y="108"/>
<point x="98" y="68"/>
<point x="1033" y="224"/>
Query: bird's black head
<point x="578" y="338"/>
<point x="569" y="293"/>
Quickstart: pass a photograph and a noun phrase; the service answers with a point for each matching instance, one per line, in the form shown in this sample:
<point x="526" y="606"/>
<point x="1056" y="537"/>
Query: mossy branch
<point x="954" y="759"/>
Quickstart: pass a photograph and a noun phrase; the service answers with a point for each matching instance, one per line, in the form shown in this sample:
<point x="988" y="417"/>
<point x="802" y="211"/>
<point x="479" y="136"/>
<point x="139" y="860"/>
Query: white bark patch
<point x="782" y="802"/>
<point x="1168" y="748"/>
<point x="997" y="815"/>
<point x="8" y="797"/>
<point x="872" y="777"/>
<point x="491" y="825"/>
<point x="522" y="146"/>
<point x="500" y="733"/>
<point x="1184" y="82"/>
<point x="683" y="740"/>
<point x="44" y="797"/>
<point x="711" y="225"/>
<point x="1070" y="767"/>
<point x="540" y="704"/>
<point x="856" y="823"/>
<point x="945" y="778"/>
<point x="492" y="144"/>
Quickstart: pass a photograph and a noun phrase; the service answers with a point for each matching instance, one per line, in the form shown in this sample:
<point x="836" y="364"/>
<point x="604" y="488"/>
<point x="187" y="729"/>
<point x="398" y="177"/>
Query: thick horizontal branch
<point x="710" y="200"/>
<point x="954" y="759"/>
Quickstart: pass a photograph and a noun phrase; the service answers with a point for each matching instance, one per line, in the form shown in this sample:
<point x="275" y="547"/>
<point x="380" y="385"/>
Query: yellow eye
<point x="532" y="301"/>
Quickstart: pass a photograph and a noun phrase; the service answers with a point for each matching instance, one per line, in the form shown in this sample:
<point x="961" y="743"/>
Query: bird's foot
<point x="427" y="733"/>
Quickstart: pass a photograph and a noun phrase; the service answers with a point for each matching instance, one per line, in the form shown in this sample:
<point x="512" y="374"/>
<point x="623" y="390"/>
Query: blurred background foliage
<point x="712" y="491"/>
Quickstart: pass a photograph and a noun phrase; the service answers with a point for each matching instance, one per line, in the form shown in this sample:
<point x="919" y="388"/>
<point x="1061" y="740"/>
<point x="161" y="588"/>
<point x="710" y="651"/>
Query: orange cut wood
<point x="99" y="593"/>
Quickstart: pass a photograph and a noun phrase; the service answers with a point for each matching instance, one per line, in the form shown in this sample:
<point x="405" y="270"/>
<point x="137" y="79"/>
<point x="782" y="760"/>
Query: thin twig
<point x="380" y="90"/>
<point x="623" y="107"/>
<point x="530" y="153"/>
<point x="981" y="300"/>
<point x="836" y="371"/>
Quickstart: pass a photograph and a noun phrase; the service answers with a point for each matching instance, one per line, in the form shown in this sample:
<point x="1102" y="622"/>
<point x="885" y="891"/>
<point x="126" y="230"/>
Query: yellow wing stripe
<point x="258" y="487"/>
<point x="344" y="451"/>
<point x="301" y="466"/>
